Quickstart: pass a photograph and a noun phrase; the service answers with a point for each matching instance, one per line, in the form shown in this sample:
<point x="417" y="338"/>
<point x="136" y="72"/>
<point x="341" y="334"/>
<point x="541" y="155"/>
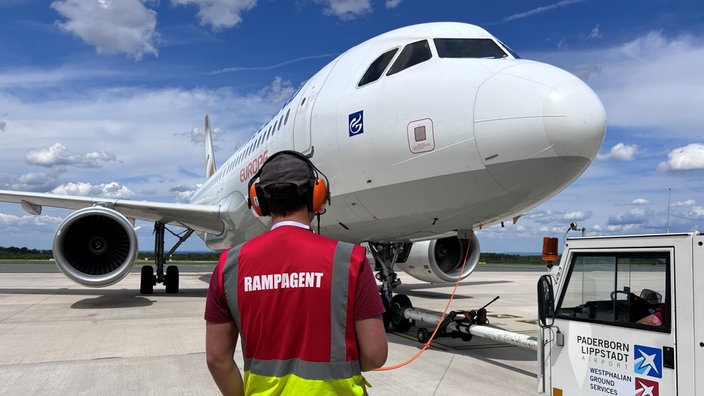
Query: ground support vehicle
<point x="623" y="315"/>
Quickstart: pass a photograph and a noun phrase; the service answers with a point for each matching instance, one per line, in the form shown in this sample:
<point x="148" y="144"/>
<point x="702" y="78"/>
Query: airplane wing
<point x="204" y="218"/>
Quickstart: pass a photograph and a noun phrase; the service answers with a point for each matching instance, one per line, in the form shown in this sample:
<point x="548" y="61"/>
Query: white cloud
<point x="619" y="229"/>
<point x="696" y="212"/>
<point x="650" y="82"/>
<point x="346" y="9"/>
<point x="577" y="215"/>
<point x="197" y="134"/>
<point x="278" y="91"/>
<point x="689" y="202"/>
<point x="37" y="78"/>
<point x="270" y="67"/>
<point x="184" y="193"/>
<point x="150" y="131"/>
<point x="120" y="26"/>
<point x="6" y="219"/>
<point x="32" y="181"/>
<point x="640" y="201"/>
<point x="540" y="10"/>
<point x="220" y="14"/>
<point x="687" y="158"/>
<point x="620" y="152"/>
<point x="633" y="216"/>
<point x="109" y="190"/>
<point x="595" y="33"/>
<point x="58" y="154"/>
<point x="41" y="220"/>
<point x="390" y="4"/>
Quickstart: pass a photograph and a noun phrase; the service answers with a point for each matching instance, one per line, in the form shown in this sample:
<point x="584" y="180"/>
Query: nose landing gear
<point x="386" y="255"/>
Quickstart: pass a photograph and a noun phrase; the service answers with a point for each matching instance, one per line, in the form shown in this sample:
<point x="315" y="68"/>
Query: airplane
<point x="426" y="133"/>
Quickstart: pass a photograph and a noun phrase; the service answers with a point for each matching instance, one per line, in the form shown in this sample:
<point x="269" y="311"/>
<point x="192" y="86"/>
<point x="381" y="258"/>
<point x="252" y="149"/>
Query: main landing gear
<point x="170" y="279"/>
<point x="386" y="255"/>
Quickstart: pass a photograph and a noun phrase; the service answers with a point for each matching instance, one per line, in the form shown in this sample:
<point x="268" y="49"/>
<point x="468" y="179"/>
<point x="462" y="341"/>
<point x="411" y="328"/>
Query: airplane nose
<point x="574" y="119"/>
<point x="549" y="128"/>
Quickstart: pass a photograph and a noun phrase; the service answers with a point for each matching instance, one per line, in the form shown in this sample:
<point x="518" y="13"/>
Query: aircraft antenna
<point x="667" y="229"/>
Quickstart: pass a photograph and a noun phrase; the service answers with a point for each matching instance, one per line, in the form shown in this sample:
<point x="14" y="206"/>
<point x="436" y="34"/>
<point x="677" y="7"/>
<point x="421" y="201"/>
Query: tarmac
<point x="60" y="338"/>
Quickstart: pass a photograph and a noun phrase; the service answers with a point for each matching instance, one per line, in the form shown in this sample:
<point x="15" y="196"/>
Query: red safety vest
<point x="295" y="312"/>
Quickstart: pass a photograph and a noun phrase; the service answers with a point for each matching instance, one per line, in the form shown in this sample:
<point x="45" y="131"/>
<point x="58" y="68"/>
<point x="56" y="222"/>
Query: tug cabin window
<point x="620" y="289"/>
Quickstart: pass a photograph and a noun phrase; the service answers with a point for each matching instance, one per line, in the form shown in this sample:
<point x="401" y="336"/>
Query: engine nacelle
<point x="95" y="246"/>
<point x="440" y="260"/>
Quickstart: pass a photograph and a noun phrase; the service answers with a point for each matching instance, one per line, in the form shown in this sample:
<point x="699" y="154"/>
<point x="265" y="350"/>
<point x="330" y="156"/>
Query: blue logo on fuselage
<point x="355" y="123"/>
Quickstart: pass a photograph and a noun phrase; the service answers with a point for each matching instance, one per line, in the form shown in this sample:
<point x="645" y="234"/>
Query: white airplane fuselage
<point x="424" y="133"/>
<point x="450" y="143"/>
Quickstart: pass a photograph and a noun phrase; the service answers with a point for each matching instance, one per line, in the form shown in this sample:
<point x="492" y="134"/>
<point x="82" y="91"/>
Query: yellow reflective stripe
<point x="295" y="386"/>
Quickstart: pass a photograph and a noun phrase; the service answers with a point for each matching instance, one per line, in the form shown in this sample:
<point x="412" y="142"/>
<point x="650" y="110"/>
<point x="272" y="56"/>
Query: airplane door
<point x="305" y="115"/>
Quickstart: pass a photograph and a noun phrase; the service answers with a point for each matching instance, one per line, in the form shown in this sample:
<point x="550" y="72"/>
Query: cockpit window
<point x="468" y="48"/>
<point x="507" y="48"/>
<point x="411" y="55"/>
<point x="376" y="69"/>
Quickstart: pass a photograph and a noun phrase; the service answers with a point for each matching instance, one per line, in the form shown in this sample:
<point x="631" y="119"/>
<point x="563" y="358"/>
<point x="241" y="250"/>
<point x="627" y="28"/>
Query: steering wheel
<point x="638" y="307"/>
<point x="617" y="292"/>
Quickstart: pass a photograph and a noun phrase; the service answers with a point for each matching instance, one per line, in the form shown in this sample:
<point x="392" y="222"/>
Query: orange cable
<point x="427" y="344"/>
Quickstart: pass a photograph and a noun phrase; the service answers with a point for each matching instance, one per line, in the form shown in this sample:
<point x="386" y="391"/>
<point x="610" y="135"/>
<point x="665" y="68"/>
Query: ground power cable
<point x="442" y="317"/>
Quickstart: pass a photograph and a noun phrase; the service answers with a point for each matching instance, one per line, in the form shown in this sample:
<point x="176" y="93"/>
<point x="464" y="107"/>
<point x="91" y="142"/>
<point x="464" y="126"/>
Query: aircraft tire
<point x="399" y="303"/>
<point x="171" y="281"/>
<point x="423" y="335"/>
<point x="146" y="284"/>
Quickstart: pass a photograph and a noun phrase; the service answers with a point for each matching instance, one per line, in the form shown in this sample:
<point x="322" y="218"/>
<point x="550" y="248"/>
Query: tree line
<point x="23" y="253"/>
<point x="506" y="258"/>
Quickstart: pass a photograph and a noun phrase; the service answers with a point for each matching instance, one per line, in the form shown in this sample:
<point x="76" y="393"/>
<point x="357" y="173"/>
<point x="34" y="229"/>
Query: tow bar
<point x="464" y="325"/>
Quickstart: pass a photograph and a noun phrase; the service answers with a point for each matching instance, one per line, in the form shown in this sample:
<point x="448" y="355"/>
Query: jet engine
<point x="95" y="246"/>
<point x="440" y="260"/>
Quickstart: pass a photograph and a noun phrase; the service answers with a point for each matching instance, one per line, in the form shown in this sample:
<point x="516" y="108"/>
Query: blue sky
<point x="107" y="97"/>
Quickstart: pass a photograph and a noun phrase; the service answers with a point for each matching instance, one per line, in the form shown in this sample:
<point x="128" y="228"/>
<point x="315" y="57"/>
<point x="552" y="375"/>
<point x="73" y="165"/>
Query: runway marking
<point x="502" y="316"/>
<point x="29" y="306"/>
<point x="433" y="344"/>
<point x="529" y="321"/>
<point x="484" y="346"/>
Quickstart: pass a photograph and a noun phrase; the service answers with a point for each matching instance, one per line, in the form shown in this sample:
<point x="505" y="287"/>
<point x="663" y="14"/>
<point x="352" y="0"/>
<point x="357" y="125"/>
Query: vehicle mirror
<point x="546" y="301"/>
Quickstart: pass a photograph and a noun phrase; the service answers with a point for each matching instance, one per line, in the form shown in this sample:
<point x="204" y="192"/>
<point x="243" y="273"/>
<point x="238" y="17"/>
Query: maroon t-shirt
<point x="367" y="300"/>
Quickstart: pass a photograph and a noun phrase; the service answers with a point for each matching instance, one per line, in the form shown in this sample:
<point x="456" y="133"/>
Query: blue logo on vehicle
<point x="355" y="123"/>
<point x="647" y="361"/>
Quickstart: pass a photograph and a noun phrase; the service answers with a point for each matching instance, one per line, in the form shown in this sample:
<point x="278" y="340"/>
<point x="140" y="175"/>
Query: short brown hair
<point x="284" y="199"/>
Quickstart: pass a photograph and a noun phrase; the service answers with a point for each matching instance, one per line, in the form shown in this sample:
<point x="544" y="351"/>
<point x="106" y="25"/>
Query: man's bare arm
<point x="220" y="341"/>
<point x="371" y="339"/>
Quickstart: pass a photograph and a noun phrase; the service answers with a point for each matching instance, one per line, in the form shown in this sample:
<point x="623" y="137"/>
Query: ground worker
<point x="306" y="307"/>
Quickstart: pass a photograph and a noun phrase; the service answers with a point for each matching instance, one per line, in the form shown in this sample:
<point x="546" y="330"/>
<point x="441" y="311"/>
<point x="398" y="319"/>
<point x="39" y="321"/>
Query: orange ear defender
<point x="320" y="196"/>
<point x="254" y="202"/>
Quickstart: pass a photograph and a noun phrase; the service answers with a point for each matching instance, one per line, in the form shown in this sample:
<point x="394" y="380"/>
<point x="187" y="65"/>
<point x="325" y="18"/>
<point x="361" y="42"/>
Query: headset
<point x="317" y="192"/>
